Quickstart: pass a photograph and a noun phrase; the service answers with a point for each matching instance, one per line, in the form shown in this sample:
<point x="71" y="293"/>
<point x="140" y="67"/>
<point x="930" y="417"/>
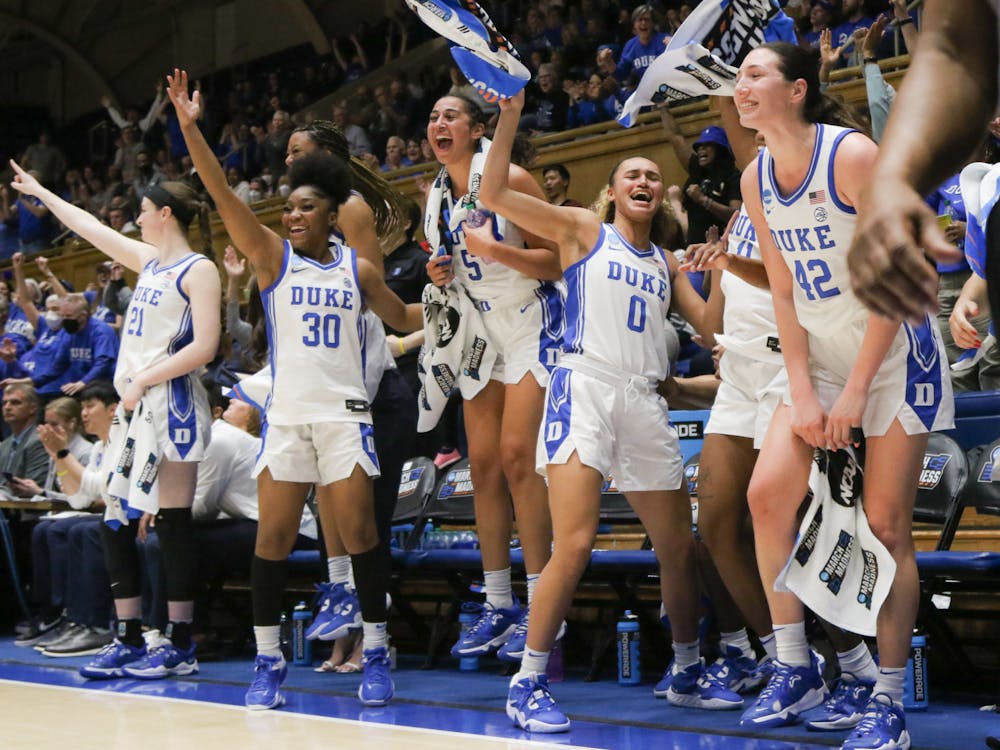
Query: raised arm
<point x="23" y="293"/>
<point x="130" y="253"/>
<point x="57" y="288"/>
<point x="575" y="230"/>
<point x="258" y="243"/>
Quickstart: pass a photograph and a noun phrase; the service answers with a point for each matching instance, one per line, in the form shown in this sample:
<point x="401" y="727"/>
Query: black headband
<point x="161" y="197"/>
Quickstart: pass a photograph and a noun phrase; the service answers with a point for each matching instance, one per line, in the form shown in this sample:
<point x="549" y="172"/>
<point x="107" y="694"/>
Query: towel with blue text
<point x="482" y="53"/>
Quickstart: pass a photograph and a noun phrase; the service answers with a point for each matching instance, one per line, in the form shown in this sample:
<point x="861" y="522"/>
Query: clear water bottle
<point x="915" y="686"/>
<point x="301" y="646"/>
<point x="628" y="649"/>
<point x="467" y="616"/>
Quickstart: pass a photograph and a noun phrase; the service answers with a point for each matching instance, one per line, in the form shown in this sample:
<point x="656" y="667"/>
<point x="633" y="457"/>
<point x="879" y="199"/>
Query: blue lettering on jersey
<point x="148" y="295"/>
<point x="316" y="296"/>
<point x="633" y="277"/>
<point x="801" y="239"/>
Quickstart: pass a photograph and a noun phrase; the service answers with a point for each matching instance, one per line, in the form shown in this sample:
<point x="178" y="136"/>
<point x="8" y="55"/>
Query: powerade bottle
<point x="301" y="646"/>
<point x="628" y="649"/>
<point x="915" y="686"/>
<point x="468" y="615"/>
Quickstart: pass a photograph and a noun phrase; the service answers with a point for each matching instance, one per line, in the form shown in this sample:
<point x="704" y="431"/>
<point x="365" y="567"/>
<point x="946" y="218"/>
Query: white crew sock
<point x="793" y="648"/>
<point x="498" y="591"/>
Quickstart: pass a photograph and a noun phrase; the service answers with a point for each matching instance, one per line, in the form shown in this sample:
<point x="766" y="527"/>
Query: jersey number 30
<point x="323" y="329"/>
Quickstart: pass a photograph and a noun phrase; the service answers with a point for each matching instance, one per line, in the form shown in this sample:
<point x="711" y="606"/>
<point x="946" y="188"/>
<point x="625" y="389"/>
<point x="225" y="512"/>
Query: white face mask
<point x="284" y="190"/>
<point x="254" y="196"/>
<point x="53" y="320"/>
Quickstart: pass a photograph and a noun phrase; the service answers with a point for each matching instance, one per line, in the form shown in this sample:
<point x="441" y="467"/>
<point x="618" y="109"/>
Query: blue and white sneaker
<point x="513" y="649"/>
<point x="845" y="707"/>
<point x="531" y="706"/>
<point x="376" y="687"/>
<point x="789" y="692"/>
<point x="265" y="690"/>
<point x="339" y="613"/>
<point x="111" y="660"/>
<point x="735" y="672"/>
<point x="163" y="660"/>
<point x="492" y="629"/>
<point x="662" y="687"/>
<point x="883" y="727"/>
<point x="694" y="687"/>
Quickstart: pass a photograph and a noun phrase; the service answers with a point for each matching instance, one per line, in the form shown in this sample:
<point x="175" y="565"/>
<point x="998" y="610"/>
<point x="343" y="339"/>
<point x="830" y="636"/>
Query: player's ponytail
<point x="796" y="63"/>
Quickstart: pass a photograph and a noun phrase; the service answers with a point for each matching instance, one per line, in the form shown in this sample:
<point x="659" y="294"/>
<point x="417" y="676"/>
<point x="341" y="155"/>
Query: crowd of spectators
<point x="585" y="57"/>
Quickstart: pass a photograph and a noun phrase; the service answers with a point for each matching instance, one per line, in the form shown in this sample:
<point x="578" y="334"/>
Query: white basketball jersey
<point x="617" y="301"/>
<point x="316" y="332"/>
<point x="486" y="280"/>
<point x="748" y="318"/>
<point x="158" y="320"/>
<point x="812" y="228"/>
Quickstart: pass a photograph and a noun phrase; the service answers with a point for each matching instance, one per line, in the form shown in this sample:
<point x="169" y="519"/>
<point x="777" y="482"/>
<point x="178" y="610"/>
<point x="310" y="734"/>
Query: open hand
<point x="188" y="108"/>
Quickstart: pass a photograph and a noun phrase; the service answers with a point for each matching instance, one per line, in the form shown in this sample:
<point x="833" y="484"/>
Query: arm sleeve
<point x="238" y="328"/>
<point x="91" y="484"/>
<point x="154" y="111"/>
<point x="880" y="96"/>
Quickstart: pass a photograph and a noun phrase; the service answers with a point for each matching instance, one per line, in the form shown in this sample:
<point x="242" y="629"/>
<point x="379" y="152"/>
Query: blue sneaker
<point x="265" y="690"/>
<point x="735" y="672"/>
<point x="163" y="660"/>
<point x="376" y="687"/>
<point x="110" y="661"/>
<point x="789" y="692"/>
<point x="883" y="727"/>
<point x="845" y="707"/>
<point x="531" y="706"/>
<point x="513" y="649"/>
<point x="339" y="613"/>
<point x="661" y="688"/>
<point x="492" y="629"/>
<point x="695" y="687"/>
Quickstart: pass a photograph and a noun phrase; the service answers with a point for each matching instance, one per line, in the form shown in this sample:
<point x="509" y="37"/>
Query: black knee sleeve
<point x="173" y="527"/>
<point x="121" y="558"/>
<point x="993" y="259"/>
<point x="371" y="577"/>
<point x="267" y="583"/>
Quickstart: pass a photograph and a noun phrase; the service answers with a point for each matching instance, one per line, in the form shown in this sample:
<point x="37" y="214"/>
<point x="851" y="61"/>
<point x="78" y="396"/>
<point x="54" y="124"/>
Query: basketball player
<point x="371" y="213"/>
<point x="319" y="425"/>
<point x="504" y="270"/>
<point x="846" y="369"/>
<point x="603" y="413"/>
<point x="171" y="330"/>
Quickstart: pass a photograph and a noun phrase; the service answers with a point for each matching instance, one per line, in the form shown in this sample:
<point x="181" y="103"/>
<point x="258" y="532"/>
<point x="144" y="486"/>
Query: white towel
<point x="838" y="569"/>
<point x="468" y="202"/>
<point x="484" y="55"/>
<point x="457" y="353"/>
<point x="133" y="463"/>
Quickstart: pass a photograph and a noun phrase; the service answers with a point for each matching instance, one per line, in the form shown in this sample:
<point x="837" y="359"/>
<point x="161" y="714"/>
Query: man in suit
<point x="22" y="454"/>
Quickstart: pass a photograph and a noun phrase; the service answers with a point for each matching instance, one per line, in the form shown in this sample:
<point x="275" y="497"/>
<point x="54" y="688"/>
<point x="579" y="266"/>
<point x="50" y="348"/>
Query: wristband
<point x="402" y="349"/>
<point x="867" y="60"/>
<point x="904" y="21"/>
<point x="62" y="453"/>
<point x="62" y="473"/>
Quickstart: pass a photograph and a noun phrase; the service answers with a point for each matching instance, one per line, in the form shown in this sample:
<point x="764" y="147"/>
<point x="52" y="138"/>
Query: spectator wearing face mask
<point x="88" y="347"/>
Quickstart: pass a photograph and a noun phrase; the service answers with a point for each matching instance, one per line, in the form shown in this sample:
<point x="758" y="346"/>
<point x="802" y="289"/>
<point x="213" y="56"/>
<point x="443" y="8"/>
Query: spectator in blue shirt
<point x="89" y="347"/>
<point x="639" y="51"/>
<point x="853" y="17"/>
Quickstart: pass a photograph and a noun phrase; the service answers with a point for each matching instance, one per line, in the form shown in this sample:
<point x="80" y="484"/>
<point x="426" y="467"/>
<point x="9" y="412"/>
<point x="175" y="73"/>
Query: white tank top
<point x="748" y="318"/>
<point x="812" y="228"/>
<point x="316" y="334"/>
<point x="482" y="279"/>
<point x="617" y="300"/>
<point x="158" y="320"/>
